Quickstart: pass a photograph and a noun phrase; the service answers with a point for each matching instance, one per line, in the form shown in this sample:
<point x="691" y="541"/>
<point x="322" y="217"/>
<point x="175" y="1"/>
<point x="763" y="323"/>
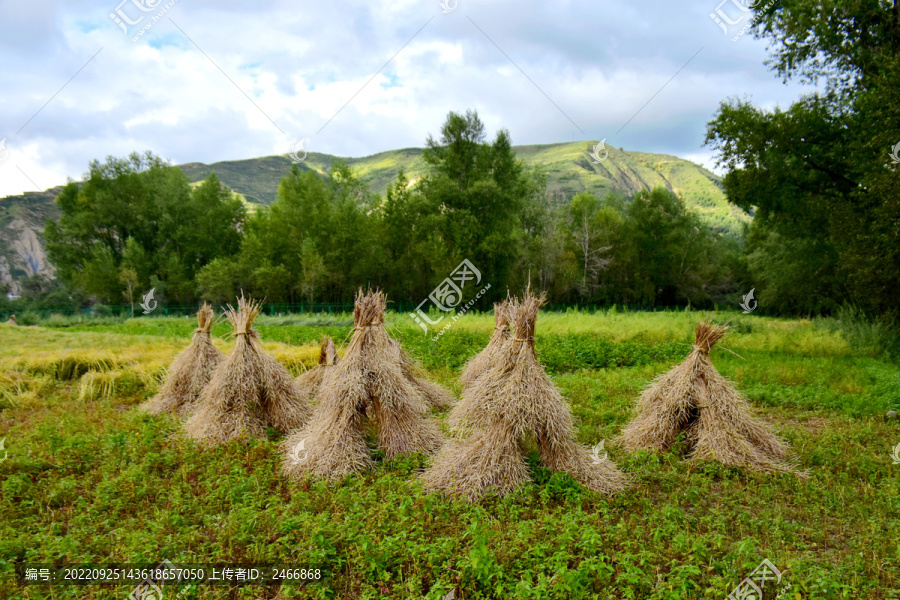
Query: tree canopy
<point x="136" y="220"/>
<point x="819" y="174"/>
<point x="137" y="223"/>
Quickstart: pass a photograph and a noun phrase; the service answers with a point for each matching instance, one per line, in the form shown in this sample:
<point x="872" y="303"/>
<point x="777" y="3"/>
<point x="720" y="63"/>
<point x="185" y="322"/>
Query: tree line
<point x="136" y="223"/>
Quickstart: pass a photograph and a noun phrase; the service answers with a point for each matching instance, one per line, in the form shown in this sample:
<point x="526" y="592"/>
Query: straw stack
<point x="368" y="382"/>
<point x="249" y="390"/>
<point x="715" y="418"/>
<point x="508" y="404"/>
<point x="485" y="359"/>
<point x="309" y="382"/>
<point x="481" y="363"/>
<point x="189" y="372"/>
<point x="435" y="396"/>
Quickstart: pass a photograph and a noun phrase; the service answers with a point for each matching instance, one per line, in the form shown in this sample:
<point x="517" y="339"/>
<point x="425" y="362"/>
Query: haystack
<point x="511" y="402"/>
<point x="485" y="359"/>
<point x="369" y="380"/>
<point x="715" y="418"/>
<point x="249" y="390"/>
<point x="482" y="362"/>
<point x="11" y="320"/>
<point x="434" y="395"/>
<point x="309" y="382"/>
<point x="189" y="372"/>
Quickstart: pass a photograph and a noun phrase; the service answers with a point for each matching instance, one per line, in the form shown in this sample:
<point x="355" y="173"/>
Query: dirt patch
<point x="812" y="424"/>
<point x="815" y="424"/>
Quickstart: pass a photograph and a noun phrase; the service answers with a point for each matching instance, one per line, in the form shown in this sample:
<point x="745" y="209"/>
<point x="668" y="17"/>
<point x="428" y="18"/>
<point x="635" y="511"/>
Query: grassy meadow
<point x="88" y="478"/>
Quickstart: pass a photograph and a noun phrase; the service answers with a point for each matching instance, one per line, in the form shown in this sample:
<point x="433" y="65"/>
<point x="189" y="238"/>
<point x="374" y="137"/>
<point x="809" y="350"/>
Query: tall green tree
<point x="819" y="175"/>
<point x="670" y="261"/>
<point x="480" y="189"/>
<point x="139" y="213"/>
<point x="590" y="238"/>
<point x="315" y="242"/>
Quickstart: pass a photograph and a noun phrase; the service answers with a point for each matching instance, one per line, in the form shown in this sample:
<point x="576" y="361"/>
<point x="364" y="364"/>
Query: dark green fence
<point x="125" y="310"/>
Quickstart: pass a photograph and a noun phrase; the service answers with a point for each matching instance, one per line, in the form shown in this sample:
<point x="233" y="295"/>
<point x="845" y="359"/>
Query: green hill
<point x="569" y="166"/>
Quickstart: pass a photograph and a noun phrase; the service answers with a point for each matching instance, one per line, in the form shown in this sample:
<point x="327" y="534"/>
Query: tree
<point x="129" y="279"/>
<point x="139" y="213"/>
<point x="217" y="281"/>
<point x="818" y="174"/>
<point x="215" y="226"/>
<point x="480" y="191"/>
<point x="271" y="282"/>
<point x="98" y="276"/>
<point x="329" y="217"/>
<point x="313" y="268"/>
<point x="670" y="261"/>
<point x="586" y="228"/>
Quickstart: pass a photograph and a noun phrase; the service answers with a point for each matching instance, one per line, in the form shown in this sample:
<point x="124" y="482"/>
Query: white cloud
<point x="300" y="63"/>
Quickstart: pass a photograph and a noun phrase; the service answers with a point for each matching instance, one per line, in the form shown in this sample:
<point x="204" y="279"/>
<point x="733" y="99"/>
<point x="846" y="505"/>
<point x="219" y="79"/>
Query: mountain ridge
<point x="569" y="166"/>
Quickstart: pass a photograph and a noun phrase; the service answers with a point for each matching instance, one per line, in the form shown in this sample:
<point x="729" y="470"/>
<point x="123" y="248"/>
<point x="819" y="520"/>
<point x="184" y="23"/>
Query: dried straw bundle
<point x="189" y="372"/>
<point x="249" y="390"/>
<point x="369" y="380"/>
<point x="485" y="359"/>
<point x="508" y="403"/>
<point x="491" y="461"/>
<point x="308" y="383"/>
<point x="716" y="419"/>
<point x="433" y="394"/>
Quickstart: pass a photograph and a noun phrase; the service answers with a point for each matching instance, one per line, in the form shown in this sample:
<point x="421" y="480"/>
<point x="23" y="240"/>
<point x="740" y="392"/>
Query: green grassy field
<point x="88" y="478"/>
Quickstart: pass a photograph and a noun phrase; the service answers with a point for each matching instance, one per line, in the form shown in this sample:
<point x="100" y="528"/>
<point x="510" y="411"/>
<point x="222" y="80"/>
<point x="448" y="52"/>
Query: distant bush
<point x="30" y="317"/>
<point x="57" y="320"/>
<point x="101" y="310"/>
<point x="873" y="336"/>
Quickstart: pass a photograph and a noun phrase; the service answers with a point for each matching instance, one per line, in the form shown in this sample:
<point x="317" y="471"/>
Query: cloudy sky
<point x="204" y="80"/>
